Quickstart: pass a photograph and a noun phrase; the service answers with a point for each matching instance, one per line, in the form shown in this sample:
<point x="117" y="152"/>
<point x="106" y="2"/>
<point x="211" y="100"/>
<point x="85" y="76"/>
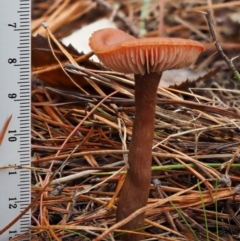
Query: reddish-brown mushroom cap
<point x="124" y="53"/>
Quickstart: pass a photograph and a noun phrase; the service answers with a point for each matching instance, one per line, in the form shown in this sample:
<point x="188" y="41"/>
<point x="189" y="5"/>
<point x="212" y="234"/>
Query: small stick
<point x="219" y="48"/>
<point x="121" y="16"/>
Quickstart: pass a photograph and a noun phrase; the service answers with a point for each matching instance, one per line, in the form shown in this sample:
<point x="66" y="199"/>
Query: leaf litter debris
<point x="82" y="124"/>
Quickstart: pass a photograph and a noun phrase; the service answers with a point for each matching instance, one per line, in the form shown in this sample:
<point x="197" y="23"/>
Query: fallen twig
<point x="219" y="48"/>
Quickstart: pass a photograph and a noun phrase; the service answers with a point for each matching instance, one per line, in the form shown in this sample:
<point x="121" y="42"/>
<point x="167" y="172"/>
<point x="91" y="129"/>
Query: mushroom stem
<point x="135" y="190"/>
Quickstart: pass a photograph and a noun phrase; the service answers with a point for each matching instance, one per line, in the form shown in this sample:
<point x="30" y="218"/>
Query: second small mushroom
<point x="147" y="58"/>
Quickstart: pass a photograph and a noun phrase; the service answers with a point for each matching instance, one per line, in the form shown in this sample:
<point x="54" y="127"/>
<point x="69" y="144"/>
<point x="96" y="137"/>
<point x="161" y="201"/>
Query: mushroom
<point x="147" y="58"/>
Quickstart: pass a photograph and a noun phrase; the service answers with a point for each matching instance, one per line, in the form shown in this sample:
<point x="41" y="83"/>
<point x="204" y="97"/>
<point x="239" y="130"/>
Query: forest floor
<point x="80" y="133"/>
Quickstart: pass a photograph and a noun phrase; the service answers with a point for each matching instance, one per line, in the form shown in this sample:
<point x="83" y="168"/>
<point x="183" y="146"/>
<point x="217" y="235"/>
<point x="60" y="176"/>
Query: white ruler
<point x="15" y="107"/>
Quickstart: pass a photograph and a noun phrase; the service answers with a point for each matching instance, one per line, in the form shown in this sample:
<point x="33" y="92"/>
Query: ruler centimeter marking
<point x="15" y="115"/>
